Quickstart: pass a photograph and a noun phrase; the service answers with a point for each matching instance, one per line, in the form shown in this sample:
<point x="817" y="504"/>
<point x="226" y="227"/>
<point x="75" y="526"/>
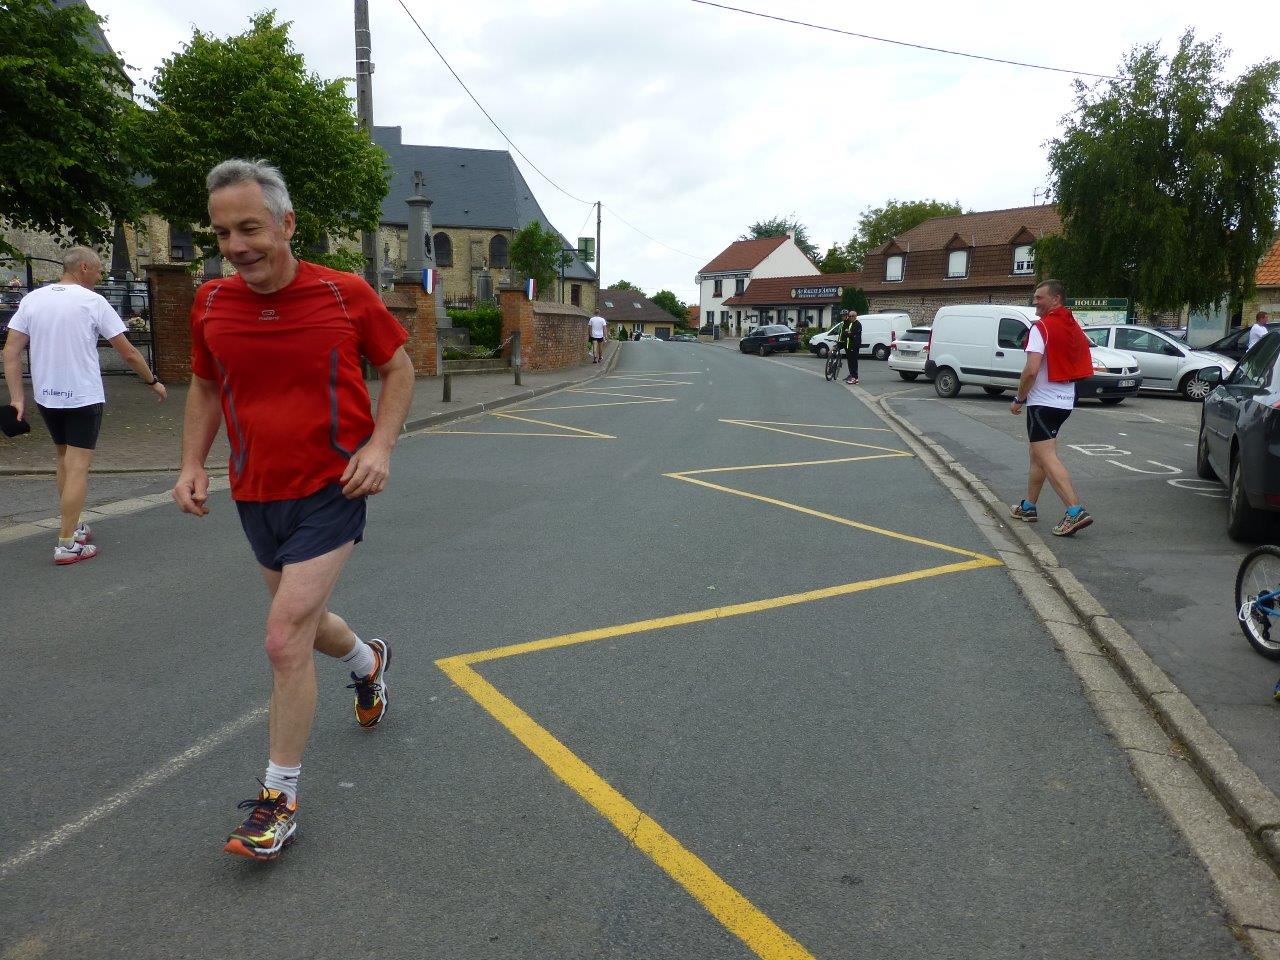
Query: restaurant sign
<point x="816" y="293"/>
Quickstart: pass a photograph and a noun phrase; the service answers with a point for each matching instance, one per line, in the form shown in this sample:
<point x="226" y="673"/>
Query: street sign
<point x="1098" y="309"/>
<point x="587" y="249"/>
<point x="816" y="293"/>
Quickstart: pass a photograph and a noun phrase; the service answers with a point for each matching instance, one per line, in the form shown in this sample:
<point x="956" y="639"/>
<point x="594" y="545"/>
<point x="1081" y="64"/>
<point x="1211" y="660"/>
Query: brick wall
<point x="173" y="292"/>
<point x="416" y="311"/>
<point x="553" y="336"/>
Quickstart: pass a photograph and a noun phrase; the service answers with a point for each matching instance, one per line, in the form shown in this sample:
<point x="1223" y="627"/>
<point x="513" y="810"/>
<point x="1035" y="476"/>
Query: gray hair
<point x="229" y="173"/>
<point x="78" y="257"/>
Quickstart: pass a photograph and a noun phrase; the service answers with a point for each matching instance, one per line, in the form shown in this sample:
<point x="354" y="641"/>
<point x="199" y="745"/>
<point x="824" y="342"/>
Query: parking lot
<point x="1157" y="556"/>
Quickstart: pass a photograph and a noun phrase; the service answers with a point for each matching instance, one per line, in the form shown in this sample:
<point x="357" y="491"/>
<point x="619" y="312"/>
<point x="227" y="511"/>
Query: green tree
<point x="878" y="225"/>
<point x="837" y="260"/>
<point x="626" y="285"/>
<point x="780" y="227"/>
<point x="669" y="302"/>
<point x="1167" y="180"/>
<point x="67" y="146"/>
<point x="539" y="254"/>
<point x="251" y="96"/>
<point x="852" y="298"/>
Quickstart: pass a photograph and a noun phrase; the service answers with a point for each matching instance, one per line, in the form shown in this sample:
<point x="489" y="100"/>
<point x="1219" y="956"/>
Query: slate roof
<point x="98" y="42"/>
<point x="984" y="229"/>
<point x="743" y="254"/>
<point x="468" y="187"/>
<point x="630" y="307"/>
<point x="776" y="291"/>
<point x="1269" y="268"/>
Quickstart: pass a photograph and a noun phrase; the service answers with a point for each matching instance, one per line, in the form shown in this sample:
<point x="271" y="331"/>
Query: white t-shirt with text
<point x="64" y="322"/>
<point x="597" y="325"/>
<point x="1044" y="392"/>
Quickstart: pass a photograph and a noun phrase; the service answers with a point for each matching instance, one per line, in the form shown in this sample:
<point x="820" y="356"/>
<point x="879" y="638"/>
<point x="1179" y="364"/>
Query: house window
<point x="711" y="317"/>
<point x="498" y="251"/>
<point x="717" y="287"/>
<point x="181" y="245"/>
<point x="575" y="294"/>
<point x="609" y="304"/>
<point x="740" y="285"/>
<point x="724" y="316"/>
<point x="444" y="249"/>
<point x="957" y="264"/>
<point x="893" y="268"/>
<point x="1024" y="261"/>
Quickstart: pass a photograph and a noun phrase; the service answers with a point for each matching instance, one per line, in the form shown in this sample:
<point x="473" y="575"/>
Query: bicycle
<point x="1258" y="599"/>
<point x="833" y="363"/>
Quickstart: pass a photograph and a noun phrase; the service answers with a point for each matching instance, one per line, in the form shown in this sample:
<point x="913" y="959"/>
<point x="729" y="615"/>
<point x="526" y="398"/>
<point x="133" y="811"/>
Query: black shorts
<point x="291" y="531"/>
<point x="73" y="426"/>
<point x="1043" y="423"/>
<point x="597" y="339"/>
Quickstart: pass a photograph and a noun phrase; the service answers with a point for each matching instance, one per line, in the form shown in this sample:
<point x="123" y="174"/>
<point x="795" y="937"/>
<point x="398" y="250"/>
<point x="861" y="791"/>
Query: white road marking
<point x="698" y="407"/>
<point x="1122" y="434"/>
<point x="1204" y="488"/>
<point x="1165" y="468"/>
<point x="151" y="778"/>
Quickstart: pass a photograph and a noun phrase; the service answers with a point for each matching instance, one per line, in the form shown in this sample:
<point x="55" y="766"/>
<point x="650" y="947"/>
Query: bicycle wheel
<point x="1258" y="599"/>
<point x="833" y="365"/>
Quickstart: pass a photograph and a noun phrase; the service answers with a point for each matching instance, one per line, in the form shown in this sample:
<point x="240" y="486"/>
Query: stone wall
<point x="553" y="336"/>
<point x="922" y="306"/>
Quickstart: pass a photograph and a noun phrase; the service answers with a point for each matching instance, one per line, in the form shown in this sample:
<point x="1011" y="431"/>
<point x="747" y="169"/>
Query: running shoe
<point x="74" y="553"/>
<point x="371" y="691"/>
<point x="1025" y="510"/>
<point x="83" y="533"/>
<point x="269" y="828"/>
<point x="1069" y="524"/>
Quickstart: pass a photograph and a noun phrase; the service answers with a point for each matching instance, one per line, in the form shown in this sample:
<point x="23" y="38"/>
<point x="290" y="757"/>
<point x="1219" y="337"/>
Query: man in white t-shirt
<point x="598" y="327"/>
<point x="62" y="323"/>
<point x="1259" y="328"/>
<point x="1048" y="404"/>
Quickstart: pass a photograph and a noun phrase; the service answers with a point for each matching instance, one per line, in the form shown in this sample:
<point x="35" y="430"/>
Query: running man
<point x="1057" y="355"/>
<point x="276" y="351"/>
<point x="599" y="328"/>
<point x="62" y="322"/>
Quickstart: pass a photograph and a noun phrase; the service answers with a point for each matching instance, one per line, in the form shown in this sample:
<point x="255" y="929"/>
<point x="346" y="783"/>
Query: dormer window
<point x="1024" y="260"/>
<point x="957" y="264"/>
<point x="894" y="267"/>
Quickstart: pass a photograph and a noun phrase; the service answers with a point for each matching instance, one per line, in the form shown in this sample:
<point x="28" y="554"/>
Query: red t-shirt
<point x="288" y="364"/>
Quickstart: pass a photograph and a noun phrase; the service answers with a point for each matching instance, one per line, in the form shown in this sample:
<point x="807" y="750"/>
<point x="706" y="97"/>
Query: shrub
<point x="485" y="324"/>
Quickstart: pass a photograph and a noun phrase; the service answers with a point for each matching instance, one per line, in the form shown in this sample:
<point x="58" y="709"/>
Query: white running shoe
<point x="83" y="533"/>
<point x="74" y="553"/>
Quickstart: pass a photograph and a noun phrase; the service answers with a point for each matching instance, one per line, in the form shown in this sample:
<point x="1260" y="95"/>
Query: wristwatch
<point x="153" y="381"/>
<point x="1019" y="401"/>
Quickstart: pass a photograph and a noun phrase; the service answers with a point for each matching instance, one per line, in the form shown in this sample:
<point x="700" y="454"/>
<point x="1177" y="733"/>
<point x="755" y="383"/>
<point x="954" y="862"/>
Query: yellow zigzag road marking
<point x="757" y="425"/>
<point x="811" y="426"/>
<point x="797" y="463"/>
<point x="605" y="392"/>
<point x="584" y="406"/>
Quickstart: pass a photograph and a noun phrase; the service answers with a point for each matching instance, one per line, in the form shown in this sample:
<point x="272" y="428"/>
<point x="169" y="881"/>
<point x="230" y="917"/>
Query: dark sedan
<point x="1240" y="440"/>
<point x="1233" y="345"/>
<point x="769" y="339"/>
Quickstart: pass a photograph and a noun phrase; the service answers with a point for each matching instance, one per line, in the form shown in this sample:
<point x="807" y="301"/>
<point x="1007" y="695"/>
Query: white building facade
<point x="730" y="273"/>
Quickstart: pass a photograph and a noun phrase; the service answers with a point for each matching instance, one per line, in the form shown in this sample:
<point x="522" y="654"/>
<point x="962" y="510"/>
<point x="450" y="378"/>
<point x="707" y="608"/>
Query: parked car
<point x="684" y="338"/>
<point x="1233" y="345"/>
<point x="770" y="338"/>
<point x="879" y="330"/>
<point x="1239" y="440"/>
<point x="909" y="352"/>
<point x="984" y="345"/>
<point x="1167" y="365"/>
<point x="1178" y="333"/>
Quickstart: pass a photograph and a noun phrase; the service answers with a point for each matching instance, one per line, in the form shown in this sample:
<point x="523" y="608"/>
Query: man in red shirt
<point x="276" y="352"/>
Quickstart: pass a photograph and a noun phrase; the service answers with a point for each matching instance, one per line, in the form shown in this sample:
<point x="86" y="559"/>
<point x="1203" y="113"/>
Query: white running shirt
<point x="1044" y="392"/>
<point x="1256" y="333"/>
<point x="64" y="322"/>
<point x="597" y="325"/>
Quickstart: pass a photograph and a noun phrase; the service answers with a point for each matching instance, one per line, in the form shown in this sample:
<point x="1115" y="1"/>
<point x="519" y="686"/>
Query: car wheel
<point x="880" y="352"/>
<point x="994" y="391"/>
<point x="907" y="376"/>
<point x="1204" y="469"/>
<point x="1243" y="521"/>
<point x="764" y="351"/>
<point x="1194" y="388"/>
<point x="947" y="384"/>
<point x="1110" y="401"/>
<point x="823" y="350"/>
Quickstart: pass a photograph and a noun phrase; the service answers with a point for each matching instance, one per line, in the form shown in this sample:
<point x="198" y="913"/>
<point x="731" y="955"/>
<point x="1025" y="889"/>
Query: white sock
<point x="284" y="779"/>
<point x="361" y="660"/>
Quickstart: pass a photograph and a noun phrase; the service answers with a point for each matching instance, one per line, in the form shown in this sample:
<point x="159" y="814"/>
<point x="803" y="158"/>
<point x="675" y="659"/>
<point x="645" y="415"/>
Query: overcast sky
<point x="692" y="122"/>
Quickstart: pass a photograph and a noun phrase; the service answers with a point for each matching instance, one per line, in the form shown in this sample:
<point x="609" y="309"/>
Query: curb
<point x="1173" y="750"/>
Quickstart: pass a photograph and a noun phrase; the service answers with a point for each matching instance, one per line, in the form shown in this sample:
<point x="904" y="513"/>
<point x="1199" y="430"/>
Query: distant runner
<point x="598" y="327"/>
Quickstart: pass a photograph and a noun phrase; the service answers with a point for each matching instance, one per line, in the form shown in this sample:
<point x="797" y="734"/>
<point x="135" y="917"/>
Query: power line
<point x="510" y="142"/>
<point x="904" y="43"/>
<point x="682" y="253"/>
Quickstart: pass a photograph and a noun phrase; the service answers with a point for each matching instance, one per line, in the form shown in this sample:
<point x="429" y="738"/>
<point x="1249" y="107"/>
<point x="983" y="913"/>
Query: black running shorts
<point x="1043" y="423"/>
<point x="291" y="531"/>
<point x="73" y="426"/>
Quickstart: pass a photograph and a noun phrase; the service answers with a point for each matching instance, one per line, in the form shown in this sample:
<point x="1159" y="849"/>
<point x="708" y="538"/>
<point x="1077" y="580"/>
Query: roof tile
<point x="1269" y="267"/>
<point x="744" y="254"/>
<point x="982" y="229"/>
<point x="776" y="291"/>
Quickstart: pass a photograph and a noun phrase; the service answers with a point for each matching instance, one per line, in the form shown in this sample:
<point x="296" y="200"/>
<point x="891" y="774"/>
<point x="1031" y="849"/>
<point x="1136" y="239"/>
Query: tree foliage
<point x="626" y="285"/>
<point x="878" y="225"/>
<point x="1167" y="180"/>
<point x="539" y="254"/>
<point x="669" y="302"/>
<point x="251" y="96"/>
<point x="67" y="149"/>
<point x="837" y="260"/>
<point x="780" y="227"/>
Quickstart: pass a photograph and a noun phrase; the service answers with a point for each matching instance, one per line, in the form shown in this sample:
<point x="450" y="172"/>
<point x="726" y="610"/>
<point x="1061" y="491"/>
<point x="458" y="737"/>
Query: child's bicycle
<point x="833" y="363"/>
<point x="1258" y="600"/>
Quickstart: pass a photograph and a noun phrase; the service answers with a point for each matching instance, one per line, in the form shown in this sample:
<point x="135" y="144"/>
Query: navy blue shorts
<point x="291" y="531"/>
<point x="73" y="426"/>
<point x="1043" y="423"/>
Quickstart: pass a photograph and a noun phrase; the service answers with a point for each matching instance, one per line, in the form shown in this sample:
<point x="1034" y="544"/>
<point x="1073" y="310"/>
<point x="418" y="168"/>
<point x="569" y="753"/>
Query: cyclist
<point x="851" y="342"/>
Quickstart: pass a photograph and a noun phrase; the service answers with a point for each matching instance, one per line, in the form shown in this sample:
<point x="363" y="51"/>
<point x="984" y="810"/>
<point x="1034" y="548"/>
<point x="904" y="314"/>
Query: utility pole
<point x="364" y="114"/>
<point x="599" y="278"/>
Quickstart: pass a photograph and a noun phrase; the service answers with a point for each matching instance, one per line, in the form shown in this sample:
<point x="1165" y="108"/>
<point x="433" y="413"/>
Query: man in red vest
<point x="1057" y="356"/>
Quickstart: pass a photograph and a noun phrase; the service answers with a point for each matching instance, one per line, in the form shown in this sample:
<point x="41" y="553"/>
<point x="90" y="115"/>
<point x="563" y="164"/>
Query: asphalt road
<point x="637" y="710"/>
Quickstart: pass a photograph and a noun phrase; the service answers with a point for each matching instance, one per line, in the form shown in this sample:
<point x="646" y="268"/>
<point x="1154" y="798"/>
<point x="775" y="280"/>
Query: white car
<point x="908" y="353"/>
<point x="1167" y="364"/>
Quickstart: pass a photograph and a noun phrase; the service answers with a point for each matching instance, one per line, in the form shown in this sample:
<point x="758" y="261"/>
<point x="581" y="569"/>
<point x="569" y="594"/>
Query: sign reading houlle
<point x="816" y="293"/>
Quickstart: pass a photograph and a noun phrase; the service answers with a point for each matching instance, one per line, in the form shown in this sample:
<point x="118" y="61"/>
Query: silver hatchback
<point x="1167" y="364"/>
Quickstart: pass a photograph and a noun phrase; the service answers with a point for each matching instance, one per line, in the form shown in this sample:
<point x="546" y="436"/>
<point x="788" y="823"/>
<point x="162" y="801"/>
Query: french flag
<point x="430" y="278"/>
<point x="531" y="288"/>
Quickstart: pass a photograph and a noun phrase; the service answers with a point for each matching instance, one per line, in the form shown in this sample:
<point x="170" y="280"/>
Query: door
<point x="1159" y="359"/>
<point x="1011" y="350"/>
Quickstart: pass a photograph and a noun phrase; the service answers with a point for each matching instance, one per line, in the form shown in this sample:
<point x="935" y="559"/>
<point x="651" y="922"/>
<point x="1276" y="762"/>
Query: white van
<point x="983" y="345"/>
<point x="879" y="330"/>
